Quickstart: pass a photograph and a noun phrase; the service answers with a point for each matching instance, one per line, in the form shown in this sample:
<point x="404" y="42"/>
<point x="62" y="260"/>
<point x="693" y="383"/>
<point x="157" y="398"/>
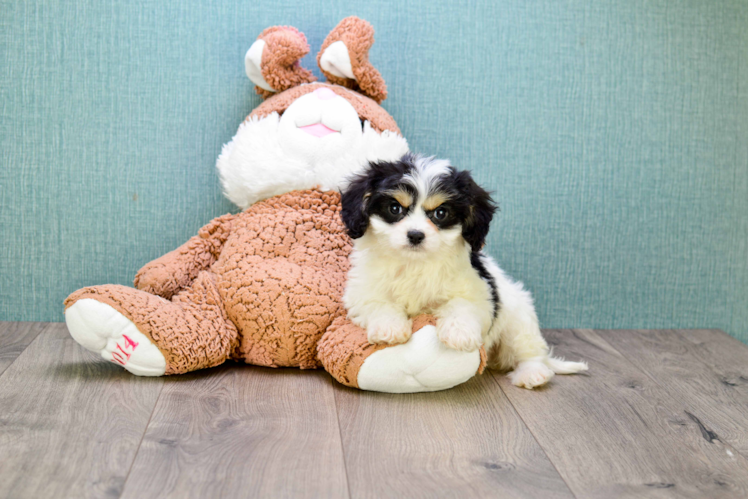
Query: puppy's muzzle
<point x="415" y="237"/>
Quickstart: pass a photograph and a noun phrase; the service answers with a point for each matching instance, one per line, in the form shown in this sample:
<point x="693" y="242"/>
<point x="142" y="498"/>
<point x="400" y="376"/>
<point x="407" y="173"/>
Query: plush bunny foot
<point x="423" y="364"/>
<point x="101" y="328"/>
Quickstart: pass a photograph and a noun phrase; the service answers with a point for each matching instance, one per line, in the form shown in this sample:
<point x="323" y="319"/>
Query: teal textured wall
<point x="614" y="135"/>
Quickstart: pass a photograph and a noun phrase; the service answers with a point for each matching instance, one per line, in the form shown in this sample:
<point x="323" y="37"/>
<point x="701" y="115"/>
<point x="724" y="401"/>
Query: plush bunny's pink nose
<point x="324" y="93"/>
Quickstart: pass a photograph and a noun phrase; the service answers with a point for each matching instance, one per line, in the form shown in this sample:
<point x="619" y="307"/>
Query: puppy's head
<point x="417" y="205"/>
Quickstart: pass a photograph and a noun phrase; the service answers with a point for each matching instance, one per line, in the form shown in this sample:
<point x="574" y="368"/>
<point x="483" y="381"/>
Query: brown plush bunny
<point x="264" y="286"/>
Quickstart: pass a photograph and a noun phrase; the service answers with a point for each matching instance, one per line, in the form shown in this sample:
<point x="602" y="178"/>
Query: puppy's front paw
<point x="461" y="333"/>
<point x="389" y="330"/>
<point x="530" y="374"/>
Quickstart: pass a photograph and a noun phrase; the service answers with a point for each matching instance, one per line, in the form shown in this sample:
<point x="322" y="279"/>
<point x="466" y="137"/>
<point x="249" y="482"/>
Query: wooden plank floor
<point x="660" y="414"/>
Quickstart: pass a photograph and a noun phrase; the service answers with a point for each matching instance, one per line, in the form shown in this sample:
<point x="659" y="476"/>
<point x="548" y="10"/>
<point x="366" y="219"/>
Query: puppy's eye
<point x="396" y="208"/>
<point x="440" y="213"/>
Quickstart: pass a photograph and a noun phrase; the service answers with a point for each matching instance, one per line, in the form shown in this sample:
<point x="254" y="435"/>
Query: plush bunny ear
<point x="272" y="62"/>
<point x="344" y="58"/>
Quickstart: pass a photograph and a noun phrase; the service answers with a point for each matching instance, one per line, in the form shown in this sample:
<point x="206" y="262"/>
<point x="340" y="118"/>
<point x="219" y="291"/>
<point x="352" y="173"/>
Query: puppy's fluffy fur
<point x="418" y="226"/>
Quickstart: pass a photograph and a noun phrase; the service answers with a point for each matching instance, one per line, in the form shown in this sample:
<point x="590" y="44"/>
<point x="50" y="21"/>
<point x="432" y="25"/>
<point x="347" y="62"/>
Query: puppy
<point x="418" y="226"/>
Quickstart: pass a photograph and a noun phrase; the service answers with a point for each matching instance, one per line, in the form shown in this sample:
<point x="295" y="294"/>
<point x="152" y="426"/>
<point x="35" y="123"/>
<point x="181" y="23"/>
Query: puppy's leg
<point x="531" y="373"/>
<point x="515" y="340"/>
<point x="460" y="324"/>
<point x="385" y="324"/>
<point x="523" y="347"/>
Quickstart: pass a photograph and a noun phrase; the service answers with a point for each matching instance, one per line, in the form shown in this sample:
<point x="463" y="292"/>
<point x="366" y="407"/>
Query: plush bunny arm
<point x="422" y="364"/>
<point x="176" y="270"/>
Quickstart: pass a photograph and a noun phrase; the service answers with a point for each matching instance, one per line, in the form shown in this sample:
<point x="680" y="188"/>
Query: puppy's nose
<point x="415" y="237"/>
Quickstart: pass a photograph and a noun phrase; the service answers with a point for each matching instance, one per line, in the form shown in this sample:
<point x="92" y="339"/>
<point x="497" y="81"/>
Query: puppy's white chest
<point x="424" y="288"/>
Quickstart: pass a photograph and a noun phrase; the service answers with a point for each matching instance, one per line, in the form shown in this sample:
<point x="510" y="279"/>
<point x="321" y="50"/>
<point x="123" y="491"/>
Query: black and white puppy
<point x="418" y="226"/>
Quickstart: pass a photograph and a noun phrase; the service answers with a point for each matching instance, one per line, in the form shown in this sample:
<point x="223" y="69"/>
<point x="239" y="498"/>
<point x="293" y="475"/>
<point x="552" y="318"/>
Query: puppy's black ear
<point x="481" y="210"/>
<point x="354" y="211"/>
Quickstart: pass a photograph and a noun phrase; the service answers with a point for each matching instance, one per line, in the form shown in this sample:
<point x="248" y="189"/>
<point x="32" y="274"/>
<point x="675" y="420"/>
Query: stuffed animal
<point x="265" y="286"/>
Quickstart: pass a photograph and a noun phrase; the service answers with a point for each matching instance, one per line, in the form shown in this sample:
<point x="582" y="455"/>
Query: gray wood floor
<point x="660" y="414"/>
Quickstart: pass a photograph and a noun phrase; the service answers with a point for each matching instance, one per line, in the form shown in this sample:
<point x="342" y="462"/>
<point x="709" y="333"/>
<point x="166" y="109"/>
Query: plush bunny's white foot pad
<point x="423" y="364"/>
<point x="100" y="328"/>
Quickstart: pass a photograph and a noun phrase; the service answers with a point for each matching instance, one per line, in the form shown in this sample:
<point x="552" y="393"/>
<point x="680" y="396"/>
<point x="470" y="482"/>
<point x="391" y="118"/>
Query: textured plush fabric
<point x="358" y="37"/>
<point x="264" y="286"/>
<point x="177" y="269"/>
<point x="268" y="283"/>
<point x="365" y="107"/>
<point x="284" y="46"/>
<point x="283" y="270"/>
<point x="192" y="330"/>
<point x="612" y="134"/>
<point x="344" y="348"/>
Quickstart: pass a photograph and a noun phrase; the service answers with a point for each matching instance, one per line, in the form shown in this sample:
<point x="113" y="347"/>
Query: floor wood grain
<point x="70" y="424"/>
<point x="465" y="442"/>
<point x="660" y="414"/>
<point x="726" y="356"/>
<point x="617" y="433"/>
<point x="240" y="431"/>
<point x="709" y="373"/>
<point x="14" y="338"/>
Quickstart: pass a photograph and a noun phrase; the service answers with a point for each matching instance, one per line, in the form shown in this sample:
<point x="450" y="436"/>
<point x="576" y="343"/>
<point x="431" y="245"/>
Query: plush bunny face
<point x="308" y="134"/>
